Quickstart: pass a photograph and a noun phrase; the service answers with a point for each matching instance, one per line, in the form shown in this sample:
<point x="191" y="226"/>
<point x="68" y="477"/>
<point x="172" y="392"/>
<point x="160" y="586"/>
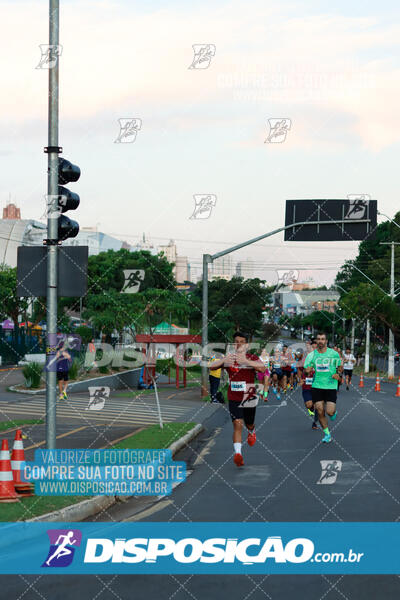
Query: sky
<point x="331" y="68"/>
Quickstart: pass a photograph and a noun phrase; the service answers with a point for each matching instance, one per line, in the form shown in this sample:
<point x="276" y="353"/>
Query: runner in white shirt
<point x="264" y="377"/>
<point x="349" y="361"/>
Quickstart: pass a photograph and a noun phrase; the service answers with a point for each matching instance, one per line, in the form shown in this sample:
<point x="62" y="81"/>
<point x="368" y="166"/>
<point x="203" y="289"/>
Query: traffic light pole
<point x="52" y="232"/>
<point x="209" y="258"/>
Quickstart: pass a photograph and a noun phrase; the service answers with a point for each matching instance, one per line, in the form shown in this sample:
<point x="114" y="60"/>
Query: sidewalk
<point x="9" y="376"/>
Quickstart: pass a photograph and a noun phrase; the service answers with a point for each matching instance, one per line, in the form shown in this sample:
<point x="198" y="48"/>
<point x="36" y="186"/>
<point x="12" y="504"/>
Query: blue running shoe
<point x="333" y="417"/>
<point x="278" y="396"/>
<point x="327" y="438"/>
<point x="274" y="390"/>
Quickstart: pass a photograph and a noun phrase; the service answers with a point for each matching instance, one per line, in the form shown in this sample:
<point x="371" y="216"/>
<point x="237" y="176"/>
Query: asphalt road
<point x="282" y="480"/>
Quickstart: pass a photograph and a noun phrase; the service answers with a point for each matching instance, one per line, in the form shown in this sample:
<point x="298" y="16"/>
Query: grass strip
<point x="153" y="437"/>
<point x="5" y="425"/>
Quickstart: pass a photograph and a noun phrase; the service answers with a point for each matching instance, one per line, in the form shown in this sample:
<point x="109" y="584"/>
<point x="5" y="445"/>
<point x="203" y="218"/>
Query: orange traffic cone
<point x="18" y="465"/>
<point x="377" y="383"/>
<point x="398" y="389"/>
<point x="361" y="382"/>
<point x="7" y="491"/>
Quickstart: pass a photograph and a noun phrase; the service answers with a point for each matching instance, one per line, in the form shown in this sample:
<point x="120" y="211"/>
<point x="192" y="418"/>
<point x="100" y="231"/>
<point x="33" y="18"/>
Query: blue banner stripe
<point x="213" y="548"/>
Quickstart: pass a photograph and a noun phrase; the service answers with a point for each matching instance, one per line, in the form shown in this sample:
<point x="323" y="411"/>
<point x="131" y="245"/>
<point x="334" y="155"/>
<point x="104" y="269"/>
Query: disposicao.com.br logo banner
<point x="213" y="548"/>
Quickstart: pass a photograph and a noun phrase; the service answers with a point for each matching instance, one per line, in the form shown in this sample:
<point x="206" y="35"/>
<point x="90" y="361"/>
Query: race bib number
<point x="277" y="366"/>
<point x="238" y="386"/>
<point x="309" y="380"/>
<point x="323" y="366"/>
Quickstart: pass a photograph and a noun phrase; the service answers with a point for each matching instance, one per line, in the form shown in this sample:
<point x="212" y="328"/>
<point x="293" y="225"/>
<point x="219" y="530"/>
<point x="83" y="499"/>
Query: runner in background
<point x="241" y="367"/>
<point x="306" y="381"/>
<point x="276" y="373"/>
<point x="300" y="358"/>
<point x="264" y="377"/>
<point x="349" y="360"/>
<point x="286" y="368"/>
<point x="293" y="373"/>
<point x="338" y="350"/>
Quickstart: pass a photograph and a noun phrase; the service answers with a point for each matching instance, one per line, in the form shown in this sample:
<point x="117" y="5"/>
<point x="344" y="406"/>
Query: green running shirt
<point x="324" y="364"/>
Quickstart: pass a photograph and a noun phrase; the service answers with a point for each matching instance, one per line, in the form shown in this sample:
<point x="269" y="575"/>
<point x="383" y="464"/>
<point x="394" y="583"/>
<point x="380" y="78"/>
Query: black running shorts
<point x="348" y="373"/>
<point x="321" y="395"/>
<point x="238" y="412"/>
<point x="62" y="375"/>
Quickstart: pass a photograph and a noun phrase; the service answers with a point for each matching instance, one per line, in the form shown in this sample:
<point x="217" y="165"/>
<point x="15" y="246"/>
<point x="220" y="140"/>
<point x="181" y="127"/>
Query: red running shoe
<point x="251" y="438"/>
<point x="238" y="460"/>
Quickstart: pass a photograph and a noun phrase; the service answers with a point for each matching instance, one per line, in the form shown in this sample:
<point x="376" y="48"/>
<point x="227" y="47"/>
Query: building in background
<point x="144" y="244"/>
<point x="170" y="251"/>
<point x="10" y="211"/>
<point x="19" y="232"/>
<point x="95" y="240"/>
<point x="16" y="232"/>
<point x="306" y="301"/>
<point x="222" y="268"/>
<point x="298" y="287"/>
<point x="181" y="268"/>
<point x="245" y="268"/>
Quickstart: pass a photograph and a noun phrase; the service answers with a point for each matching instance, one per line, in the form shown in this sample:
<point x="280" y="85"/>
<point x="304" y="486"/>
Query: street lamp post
<point x="392" y="295"/>
<point x="367" y="347"/>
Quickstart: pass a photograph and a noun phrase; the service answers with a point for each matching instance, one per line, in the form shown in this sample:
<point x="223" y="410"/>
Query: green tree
<point x="320" y="320"/>
<point x="367" y="301"/>
<point x="232" y="305"/>
<point x="10" y="305"/>
<point x="109" y="309"/>
<point x="105" y="270"/>
<point x="106" y="276"/>
<point x="373" y="259"/>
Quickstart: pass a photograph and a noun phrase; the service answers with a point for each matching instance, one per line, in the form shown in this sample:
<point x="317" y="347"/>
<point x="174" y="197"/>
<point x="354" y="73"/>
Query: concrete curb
<point x="15" y="390"/>
<point x="91" y="506"/>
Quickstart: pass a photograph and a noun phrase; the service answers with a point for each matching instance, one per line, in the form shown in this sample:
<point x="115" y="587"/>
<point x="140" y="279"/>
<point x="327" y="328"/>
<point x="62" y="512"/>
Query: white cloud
<point x="117" y="60"/>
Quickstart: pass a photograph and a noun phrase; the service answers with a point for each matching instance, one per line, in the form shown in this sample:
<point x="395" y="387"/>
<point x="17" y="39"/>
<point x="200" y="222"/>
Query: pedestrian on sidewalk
<point x="215" y="380"/>
<point x="64" y="360"/>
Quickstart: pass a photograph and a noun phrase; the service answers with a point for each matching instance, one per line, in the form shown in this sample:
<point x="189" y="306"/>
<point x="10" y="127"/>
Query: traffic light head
<point x="67" y="200"/>
<point x="67" y="172"/>
<point x="67" y="228"/>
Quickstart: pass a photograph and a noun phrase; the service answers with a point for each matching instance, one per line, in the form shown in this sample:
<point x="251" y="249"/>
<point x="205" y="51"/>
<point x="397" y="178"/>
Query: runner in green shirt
<point x="326" y="364"/>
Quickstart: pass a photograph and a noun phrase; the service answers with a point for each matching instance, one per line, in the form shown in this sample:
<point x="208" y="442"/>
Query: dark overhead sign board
<point x="337" y="220"/>
<point x="32" y="271"/>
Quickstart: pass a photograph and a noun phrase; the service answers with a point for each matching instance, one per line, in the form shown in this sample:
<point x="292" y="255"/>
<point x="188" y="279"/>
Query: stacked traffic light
<point x="67" y="173"/>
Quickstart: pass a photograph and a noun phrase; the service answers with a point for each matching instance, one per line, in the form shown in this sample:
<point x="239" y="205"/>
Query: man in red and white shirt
<point x="241" y="367"/>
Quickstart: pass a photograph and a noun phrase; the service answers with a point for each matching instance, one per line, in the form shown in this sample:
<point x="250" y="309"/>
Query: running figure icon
<point x="63" y="544"/>
<point x="62" y="549"/>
